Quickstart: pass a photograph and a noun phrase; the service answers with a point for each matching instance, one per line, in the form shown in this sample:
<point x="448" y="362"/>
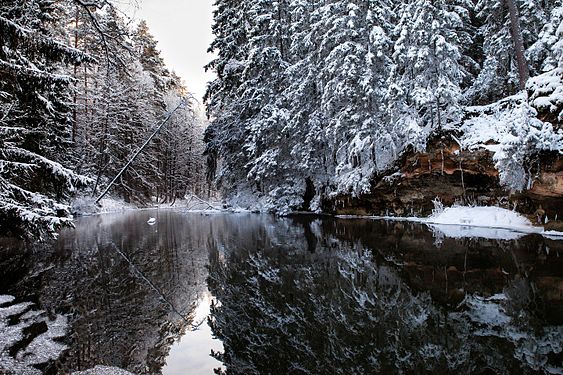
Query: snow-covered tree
<point x="499" y="67"/>
<point x="247" y="134"/>
<point x="225" y="136"/>
<point x="120" y="99"/>
<point x="179" y="149"/>
<point x="35" y="120"/>
<point x="425" y="91"/>
<point x="146" y="50"/>
<point x="354" y="74"/>
<point x="317" y="98"/>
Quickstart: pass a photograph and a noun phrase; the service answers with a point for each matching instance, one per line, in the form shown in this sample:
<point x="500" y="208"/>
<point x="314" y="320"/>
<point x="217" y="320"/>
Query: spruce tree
<point x="35" y="181"/>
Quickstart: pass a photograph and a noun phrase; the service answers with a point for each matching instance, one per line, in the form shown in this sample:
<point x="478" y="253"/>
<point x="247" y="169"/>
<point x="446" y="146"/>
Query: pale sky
<point x="183" y="31"/>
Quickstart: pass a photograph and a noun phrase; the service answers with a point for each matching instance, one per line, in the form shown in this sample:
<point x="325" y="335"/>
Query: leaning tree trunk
<point x="523" y="71"/>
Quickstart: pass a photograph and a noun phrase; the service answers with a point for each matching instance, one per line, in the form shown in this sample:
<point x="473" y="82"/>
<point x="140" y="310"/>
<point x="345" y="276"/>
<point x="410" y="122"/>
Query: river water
<point x="201" y="293"/>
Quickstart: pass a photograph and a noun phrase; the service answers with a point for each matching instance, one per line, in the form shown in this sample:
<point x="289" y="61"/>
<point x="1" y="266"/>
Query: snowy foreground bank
<point x="485" y="222"/>
<point x="18" y="321"/>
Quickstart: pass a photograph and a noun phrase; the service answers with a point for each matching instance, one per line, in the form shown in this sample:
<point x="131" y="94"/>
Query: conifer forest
<point x="343" y="187"/>
<point x="81" y="89"/>
<point x="320" y="100"/>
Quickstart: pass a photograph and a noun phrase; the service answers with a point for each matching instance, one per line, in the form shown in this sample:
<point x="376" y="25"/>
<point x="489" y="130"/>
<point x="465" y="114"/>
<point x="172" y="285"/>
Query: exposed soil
<point x="455" y="176"/>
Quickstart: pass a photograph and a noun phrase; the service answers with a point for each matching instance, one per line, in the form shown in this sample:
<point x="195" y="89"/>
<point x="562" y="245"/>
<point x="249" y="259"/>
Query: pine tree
<point x="179" y="152"/>
<point x="543" y="55"/>
<point x="124" y="104"/>
<point x="225" y="135"/>
<point x="150" y="58"/>
<point x="35" y="122"/>
<point x="354" y="77"/>
<point x="425" y="91"/>
<point x="264" y="77"/>
<point x="305" y="123"/>
<point x="499" y="73"/>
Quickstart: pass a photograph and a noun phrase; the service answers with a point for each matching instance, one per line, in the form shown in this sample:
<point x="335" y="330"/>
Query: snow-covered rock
<point x="21" y="323"/>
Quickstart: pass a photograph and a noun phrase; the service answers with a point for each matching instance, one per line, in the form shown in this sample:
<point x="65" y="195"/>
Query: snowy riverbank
<point x="453" y="222"/>
<point x="86" y="206"/>
<point x="484" y="222"/>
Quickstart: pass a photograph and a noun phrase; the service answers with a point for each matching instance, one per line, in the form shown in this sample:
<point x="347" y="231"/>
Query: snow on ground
<point x="475" y="222"/>
<point x="85" y="206"/>
<point x="103" y="370"/>
<point x="553" y="234"/>
<point x="486" y="222"/>
<point x="16" y="322"/>
<point x="483" y="217"/>
<point x="6" y="299"/>
<point x="195" y="203"/>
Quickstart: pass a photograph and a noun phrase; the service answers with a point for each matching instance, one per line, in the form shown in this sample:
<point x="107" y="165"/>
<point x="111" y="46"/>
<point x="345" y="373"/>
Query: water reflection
<point x="192" y="353"/>
<point x="379" y="297"/>
<point x="129" y="289"/>
<point x="295" y="295"/>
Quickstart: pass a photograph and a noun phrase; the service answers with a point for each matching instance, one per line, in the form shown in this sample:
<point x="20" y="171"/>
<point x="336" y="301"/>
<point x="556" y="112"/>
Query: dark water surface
<point x="252" y="294"/>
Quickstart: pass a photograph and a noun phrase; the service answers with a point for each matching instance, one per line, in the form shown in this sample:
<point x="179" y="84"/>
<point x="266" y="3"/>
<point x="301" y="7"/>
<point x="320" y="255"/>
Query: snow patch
<point x="479" y="222"/>
<point x="103" y="370"/>
<point x="473" y="222"/>
<point x="483" y="217"/>
<point x="86" y="206"/>
<point x="553" y="234"/>
<point x="43" y="348"/>
<point x="6" y="299"/>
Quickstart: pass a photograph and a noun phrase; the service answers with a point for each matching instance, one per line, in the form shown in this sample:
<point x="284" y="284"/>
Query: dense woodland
<point x="81" y="88"/>
<point x="315" y="98"/>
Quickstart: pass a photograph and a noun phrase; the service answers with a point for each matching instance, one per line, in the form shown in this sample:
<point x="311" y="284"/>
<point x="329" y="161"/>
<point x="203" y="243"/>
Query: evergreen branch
<point x="36" y="40"/>
<point x="16" y="69"/>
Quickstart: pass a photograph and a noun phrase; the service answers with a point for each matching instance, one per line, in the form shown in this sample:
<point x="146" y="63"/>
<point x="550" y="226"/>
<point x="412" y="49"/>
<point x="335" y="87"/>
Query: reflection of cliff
<point x="374" y="297"/>
<point x="129" y="289"/>
<point x="449" y="268"/>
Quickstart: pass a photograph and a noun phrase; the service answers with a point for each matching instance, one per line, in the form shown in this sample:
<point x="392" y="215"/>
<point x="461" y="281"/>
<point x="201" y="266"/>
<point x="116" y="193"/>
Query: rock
<point x="454" y="176"/>
<point x="554" y="225"/>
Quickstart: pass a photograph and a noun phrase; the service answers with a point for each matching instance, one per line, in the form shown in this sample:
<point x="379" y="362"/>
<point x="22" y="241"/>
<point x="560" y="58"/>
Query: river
<point x="198" y="293"/>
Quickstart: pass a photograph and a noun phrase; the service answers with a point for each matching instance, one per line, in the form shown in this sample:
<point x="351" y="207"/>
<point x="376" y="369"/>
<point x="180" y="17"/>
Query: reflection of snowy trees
<point x="342" y="309"/>
<point x="128" y="291"/>
<point x="294" y="295"/>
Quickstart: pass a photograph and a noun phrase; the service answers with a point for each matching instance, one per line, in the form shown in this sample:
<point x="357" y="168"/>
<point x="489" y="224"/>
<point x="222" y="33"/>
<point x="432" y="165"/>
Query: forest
<point x="319" y="102"/>
<point x="315" y="104"/>
<point x="81" y="88"/>
<point x="379" y="187"/>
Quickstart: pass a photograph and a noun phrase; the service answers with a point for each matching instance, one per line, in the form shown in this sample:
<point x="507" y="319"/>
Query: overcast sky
<point x="183" y="31"/>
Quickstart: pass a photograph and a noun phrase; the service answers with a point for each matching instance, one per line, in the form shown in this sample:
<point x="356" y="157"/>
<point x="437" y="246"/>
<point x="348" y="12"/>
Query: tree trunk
<point x="75" y="94"/>
<point x="523" y="71"/>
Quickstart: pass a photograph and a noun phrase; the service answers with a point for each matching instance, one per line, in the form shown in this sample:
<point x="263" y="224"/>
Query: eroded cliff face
<point x="453" y="176"/>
